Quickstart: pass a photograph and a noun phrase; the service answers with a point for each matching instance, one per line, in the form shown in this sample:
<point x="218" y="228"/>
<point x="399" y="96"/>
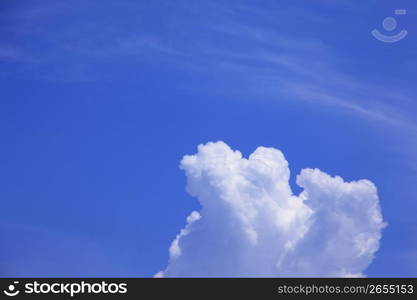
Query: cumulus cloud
<point x="251" y="223"/>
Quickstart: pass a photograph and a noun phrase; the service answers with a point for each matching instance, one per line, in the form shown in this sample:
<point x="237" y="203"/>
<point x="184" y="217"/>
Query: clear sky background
<point x="100" y="100"/>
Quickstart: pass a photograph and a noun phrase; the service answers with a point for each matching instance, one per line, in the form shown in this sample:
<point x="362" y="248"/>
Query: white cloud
<point x="251" y="224"/>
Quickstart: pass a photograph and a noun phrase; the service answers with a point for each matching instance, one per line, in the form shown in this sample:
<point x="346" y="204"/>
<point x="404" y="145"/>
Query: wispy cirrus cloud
<point x="251" y="58"/>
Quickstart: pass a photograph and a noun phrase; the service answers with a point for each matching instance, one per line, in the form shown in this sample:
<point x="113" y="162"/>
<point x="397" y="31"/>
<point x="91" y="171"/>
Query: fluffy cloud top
<point x="251" y="223"/>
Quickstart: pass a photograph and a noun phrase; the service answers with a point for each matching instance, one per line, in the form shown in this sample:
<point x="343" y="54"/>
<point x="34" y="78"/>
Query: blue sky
<point x="101" y="100"/>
